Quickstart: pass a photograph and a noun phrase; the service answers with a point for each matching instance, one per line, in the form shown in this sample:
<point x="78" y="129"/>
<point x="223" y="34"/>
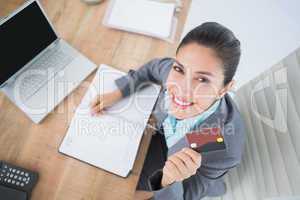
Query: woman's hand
<point x="180" y="166"/>
<point x="104" y="100"/>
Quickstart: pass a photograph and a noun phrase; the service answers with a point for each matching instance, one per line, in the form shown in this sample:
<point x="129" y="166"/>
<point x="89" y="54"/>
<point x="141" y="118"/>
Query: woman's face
<point x="195" y="81"/>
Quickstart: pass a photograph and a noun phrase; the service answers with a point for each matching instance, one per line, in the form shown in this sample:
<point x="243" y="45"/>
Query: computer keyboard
<point x="44" y="69"/>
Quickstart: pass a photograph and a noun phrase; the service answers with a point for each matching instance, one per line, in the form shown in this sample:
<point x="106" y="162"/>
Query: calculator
<point x="17" y="178"/>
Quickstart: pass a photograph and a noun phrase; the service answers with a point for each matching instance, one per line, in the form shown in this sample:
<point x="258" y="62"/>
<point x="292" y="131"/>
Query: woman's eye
<point x="202" y="80"/>
<point x="178" y="69"/>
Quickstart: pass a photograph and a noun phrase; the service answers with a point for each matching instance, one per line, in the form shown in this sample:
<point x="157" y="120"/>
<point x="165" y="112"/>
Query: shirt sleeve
<point x="154" y="71"/>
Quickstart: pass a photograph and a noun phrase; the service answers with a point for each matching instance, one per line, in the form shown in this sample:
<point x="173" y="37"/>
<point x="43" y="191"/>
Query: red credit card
<point x="208" y="139"/>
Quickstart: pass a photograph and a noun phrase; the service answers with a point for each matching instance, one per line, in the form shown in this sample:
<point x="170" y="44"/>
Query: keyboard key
<point x="48" y="64"/>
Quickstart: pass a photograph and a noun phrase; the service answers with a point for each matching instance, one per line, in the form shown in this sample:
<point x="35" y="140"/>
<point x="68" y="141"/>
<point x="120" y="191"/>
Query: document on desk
<point x="110" y="141"/>
<point x="146" y="17"/>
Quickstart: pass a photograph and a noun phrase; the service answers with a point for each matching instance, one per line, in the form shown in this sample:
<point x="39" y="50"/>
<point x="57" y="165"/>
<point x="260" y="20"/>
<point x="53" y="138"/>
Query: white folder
<point x="155" y="19"/>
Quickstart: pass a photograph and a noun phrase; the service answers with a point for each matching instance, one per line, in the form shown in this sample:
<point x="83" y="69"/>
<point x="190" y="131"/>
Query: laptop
<point x="38" y="69"/>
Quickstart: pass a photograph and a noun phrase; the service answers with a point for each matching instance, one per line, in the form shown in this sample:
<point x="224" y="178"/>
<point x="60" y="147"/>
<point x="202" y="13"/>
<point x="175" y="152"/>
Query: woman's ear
<point x="229" y="86"/>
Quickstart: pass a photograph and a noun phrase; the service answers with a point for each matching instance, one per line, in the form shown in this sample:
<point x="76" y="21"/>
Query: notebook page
<point x="109" y="141"/>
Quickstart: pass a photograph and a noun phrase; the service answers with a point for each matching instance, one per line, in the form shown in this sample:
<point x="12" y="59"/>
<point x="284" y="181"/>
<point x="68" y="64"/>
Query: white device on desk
<point x="37" y="68"/>
<point x="110" y="141"/>
<point x="151" y="18"/>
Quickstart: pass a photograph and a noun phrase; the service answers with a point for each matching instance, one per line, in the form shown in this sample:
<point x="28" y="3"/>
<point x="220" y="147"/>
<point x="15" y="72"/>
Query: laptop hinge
<point x="3" y="85"/>
<point x="57" y="40"/>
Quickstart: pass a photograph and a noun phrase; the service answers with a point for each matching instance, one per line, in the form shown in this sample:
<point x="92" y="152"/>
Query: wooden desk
<point x="36" y="146"/>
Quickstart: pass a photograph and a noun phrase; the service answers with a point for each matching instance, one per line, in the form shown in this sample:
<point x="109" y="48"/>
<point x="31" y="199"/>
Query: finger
<point x="173" y="171"/>
<point x="191" y="165"/>
<point x="97" y="109"/>
<point x="95" y="101"/>
<point x="196" y="157"/>
<point x="167" y="176"/>
<point x="99" y="113"/>
<point x="182" y="168"/>
<point x="167" y="172"/>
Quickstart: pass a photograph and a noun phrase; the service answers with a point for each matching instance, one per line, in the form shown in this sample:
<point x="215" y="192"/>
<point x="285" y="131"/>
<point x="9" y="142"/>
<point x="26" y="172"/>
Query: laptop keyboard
<point x="44" y="69"/>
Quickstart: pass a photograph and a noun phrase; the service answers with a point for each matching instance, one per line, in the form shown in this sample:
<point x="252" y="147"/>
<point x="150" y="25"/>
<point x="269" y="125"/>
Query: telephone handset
<point x="13" y="178"/>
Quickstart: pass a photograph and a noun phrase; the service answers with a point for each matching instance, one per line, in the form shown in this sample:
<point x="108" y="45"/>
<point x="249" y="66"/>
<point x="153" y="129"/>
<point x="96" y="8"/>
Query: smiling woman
<point x="202" y="73"/>
<point x="194" y="96"/>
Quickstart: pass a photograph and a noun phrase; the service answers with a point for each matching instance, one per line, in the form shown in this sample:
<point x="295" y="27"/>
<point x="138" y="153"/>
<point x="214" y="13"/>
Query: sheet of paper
<point x="143" y="16"/>
<point x="110" y="141"/>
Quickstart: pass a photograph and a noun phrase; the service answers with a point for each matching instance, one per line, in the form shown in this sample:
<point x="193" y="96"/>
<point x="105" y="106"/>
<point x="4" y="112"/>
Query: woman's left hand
<point x="180" y="166"/>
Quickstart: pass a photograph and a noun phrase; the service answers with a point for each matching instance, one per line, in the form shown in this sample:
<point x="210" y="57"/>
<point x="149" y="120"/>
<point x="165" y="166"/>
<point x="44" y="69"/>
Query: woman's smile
<point x="181" y="103"/>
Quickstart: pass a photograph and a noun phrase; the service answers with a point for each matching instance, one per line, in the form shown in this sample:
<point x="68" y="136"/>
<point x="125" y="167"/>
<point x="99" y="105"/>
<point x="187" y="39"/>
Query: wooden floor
<point x="271" y="164"/>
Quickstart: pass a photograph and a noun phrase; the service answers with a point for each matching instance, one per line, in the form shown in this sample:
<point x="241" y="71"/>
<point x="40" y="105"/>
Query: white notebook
<point x="142" y="16"/>
<point x="109" y="141"/>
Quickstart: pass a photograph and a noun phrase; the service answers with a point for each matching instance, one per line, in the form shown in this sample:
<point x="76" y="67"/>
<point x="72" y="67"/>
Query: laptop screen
<point x="22" y="37"/>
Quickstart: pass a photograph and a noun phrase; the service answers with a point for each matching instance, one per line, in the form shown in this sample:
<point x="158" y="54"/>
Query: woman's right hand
<point x="104" y="100"/>
<point x="180" y="166"/>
